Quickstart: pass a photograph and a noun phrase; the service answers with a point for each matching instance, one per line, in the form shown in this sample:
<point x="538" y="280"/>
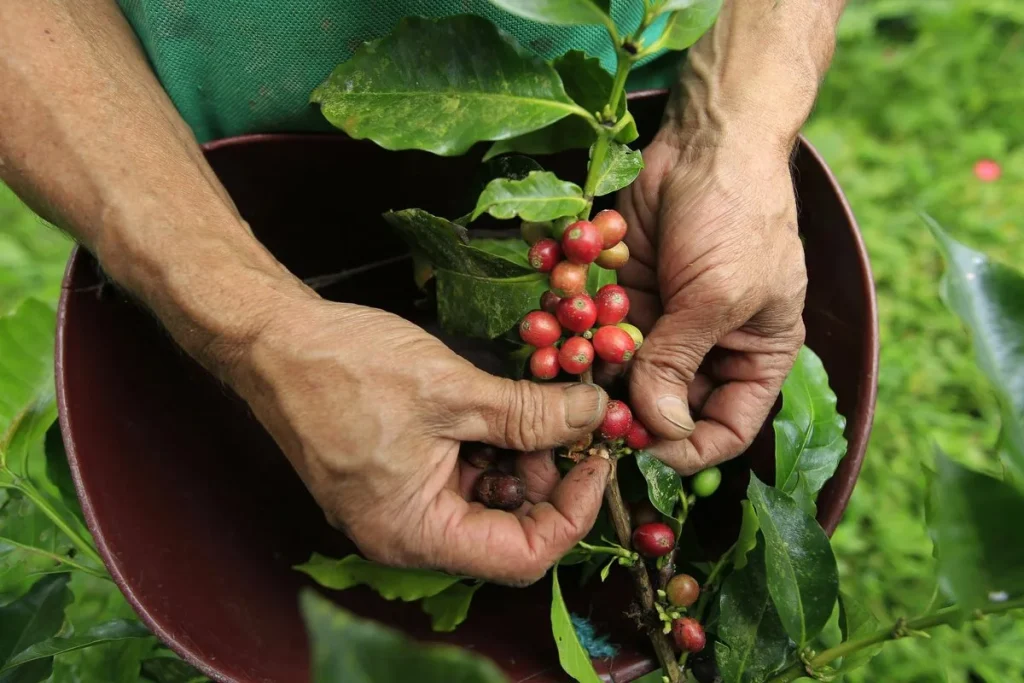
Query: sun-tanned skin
<point x="716" y="277"/>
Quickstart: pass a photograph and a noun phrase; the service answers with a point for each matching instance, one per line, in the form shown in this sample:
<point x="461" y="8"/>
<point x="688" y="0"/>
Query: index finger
<point x="471" y="540"/>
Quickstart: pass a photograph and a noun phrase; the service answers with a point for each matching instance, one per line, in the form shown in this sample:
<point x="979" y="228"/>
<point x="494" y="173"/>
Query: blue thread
<point x="596" y="646"/>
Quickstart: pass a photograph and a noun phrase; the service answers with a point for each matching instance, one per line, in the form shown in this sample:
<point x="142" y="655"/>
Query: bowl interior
<point x="195" y="510"/>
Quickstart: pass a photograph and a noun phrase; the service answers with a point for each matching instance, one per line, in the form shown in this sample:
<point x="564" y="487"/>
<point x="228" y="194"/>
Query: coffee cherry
<point x="422" y="272"/>
<point x="539" y="329"/>
<point x="613" y="344"/>
<point x="612" y="305"/>
<point x="499" y="490"/>
<point x="549" y="302"/>
<point x="581" y="242"/>
<point x="683" y="590"/>
<point x="576" y="355"/>
<point x="706" y="482"/>
<point x="614" y="258"/>
<point x="545" y="255"/>
<point x="481" y="455"/>
<point x="544" y="363"/>
<point x="645" y="513"/>
<point x="638" y="437"/>
<point x="535" y="232"/>
<point x="654" y="539"/>
<point x="612" y="227"/>
<point x="618" y="418"/>
<point x="634" y="332"/>
<point x="568" y="278"/>
<point x="688" y="634"/>
<point x="704" y="669"/>
<point x="577" y="313"/>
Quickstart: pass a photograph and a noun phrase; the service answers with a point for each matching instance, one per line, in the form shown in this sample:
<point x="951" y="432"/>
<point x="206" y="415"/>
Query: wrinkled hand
<point x="717" y="281"/>
<point x="371" y="410"/>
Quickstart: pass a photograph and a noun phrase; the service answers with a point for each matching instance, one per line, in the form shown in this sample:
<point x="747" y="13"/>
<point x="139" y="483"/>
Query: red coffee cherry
<point x="568" y="278"/>
<point x="614" y="258"/>
<point x="612" y="305"/>
<point x="544" y="363"/>
<point x="654" y="539"/>
<point x="577" y="313"/>
<point x="612" y="227"/>
<point x="618" y="418"/>
<point x="683" y="590"/>
<point x="549" y="302"/>
<point x="638" y="437"/>
<point x="645" y="513"/>
<point x="613" y="344"/>
<point x="576" y="355"/>
<point x="581" y="242"/>
<point x="545" y="255"/>
<point x="688" y="634"/>
<point x="539" y="329"/>
<point x="499" y="490"/>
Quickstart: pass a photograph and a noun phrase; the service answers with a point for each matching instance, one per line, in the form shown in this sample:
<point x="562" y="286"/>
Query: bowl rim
<point x="861" y="430"/>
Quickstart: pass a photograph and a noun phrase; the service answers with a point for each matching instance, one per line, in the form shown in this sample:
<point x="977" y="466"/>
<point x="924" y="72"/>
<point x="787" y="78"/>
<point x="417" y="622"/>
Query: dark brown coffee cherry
<point x="703" y="668"/>
<point x="500" y="491"/>
<point x="478" y="454"/>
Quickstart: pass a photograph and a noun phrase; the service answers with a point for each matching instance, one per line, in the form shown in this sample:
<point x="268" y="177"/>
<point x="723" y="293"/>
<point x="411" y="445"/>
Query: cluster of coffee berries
<point x="591" y="327"/>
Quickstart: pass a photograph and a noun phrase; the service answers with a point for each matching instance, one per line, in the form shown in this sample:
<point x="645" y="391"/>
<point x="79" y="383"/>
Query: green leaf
<point x="620" y="167"/>
<point x="119" y="629"/>
<point x="40" y="544"/>
<point x="857" y="622"/>
<point x="832" y="633"/>
<point x="166" y="667"/>
<point x="663" y="483"/>
<point x="26" y="362"/>
<point x="598" y="277"/>
<point x="574" y="659"/>
<point x="59" y="472"/>
<point x="483" y="307"/>
<point x="562" y="12"/>
<point x="685" y="26"/>
<point x="114" y="662"/>
<point x="513" y="249"/>
<point x="540" y="196"/>
<point x="348" y="649"/>
<point x="449" y="608"/>
<point x="802" y="575"/>
<point x="747" y="539"/>
<point x="590" y="86"/>
<point x="753" y="643"/>
<point x="809" y="439"/>
<point x="974" y="520"/>
<point x="989" y="298"/>
<point x="442" y="85"/>
<point x="446" y="245"/>
<point x="31" y="619"/>
<point x="390" y="582"/>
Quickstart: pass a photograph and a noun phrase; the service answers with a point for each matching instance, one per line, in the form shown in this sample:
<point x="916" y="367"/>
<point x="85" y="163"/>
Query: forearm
<point x="755" y="75"/>
<point x="91" y="141"/>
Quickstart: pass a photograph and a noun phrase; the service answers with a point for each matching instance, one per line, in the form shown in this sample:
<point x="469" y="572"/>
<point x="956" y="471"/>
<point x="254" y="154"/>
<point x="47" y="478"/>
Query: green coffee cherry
<point x="634" y="332"/>
<point x="706" y="482"/>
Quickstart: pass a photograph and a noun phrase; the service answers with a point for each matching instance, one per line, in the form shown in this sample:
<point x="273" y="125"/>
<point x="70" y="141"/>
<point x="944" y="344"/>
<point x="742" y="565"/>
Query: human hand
<point x="371" y="410"/>
<point x="717" y="280"/>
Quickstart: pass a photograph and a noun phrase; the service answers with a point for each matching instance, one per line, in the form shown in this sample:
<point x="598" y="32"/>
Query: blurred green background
<point x="918" y="92"/>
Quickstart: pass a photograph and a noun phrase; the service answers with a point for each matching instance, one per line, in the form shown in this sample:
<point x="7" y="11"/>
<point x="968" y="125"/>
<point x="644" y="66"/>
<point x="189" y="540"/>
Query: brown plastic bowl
<point x="200" y="519"/>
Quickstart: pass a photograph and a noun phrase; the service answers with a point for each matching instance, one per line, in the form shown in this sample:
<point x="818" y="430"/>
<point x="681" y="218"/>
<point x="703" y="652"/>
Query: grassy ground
<point x="918" y="92"/>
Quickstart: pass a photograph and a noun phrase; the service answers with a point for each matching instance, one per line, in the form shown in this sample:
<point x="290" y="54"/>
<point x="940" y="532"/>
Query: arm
<point x="717" y="273"/>
<point x="91" y="141"/>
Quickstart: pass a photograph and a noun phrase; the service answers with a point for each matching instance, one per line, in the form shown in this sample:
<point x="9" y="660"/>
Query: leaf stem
<point x="900" y="629"/>
<point x="606" y="550"/>
<point x="642" y="580"/>
<point x="32" y="493"/>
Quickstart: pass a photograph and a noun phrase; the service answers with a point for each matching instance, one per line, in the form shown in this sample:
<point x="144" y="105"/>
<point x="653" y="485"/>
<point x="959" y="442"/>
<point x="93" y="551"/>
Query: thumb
<point x="527" y="416"/>
<point x="663" y="370"/>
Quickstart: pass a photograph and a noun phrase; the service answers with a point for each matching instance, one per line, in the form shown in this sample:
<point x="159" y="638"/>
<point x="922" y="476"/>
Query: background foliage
<point x="919" y="91"/>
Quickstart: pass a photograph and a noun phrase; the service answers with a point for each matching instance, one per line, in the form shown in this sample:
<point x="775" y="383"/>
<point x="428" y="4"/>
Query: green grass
<point x="918" y="92"/>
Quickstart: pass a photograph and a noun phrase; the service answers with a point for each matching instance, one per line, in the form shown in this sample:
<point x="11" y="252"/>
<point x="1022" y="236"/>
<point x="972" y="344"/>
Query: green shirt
<point x="245" y="66"/>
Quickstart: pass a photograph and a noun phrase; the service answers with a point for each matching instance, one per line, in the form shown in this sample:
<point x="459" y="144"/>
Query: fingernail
<point x="584" y="405"/>
<point x="675" y="410"/>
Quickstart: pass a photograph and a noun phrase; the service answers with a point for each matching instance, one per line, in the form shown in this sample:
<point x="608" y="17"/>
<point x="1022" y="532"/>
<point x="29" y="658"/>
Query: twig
<point x="644" y="591"/>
